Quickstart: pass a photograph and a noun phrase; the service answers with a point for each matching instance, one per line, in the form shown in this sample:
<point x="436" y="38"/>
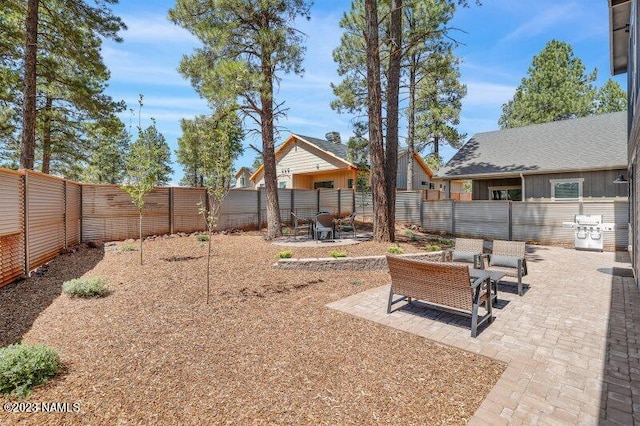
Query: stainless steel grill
<point x="589" y="231"/>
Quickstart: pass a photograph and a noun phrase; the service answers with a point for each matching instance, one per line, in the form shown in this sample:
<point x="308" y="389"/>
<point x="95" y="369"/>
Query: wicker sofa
<point x="443" y="286"/>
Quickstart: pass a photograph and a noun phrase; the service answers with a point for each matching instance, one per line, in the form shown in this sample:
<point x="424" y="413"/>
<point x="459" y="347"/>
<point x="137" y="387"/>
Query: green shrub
<point x="285" y="254"/>
<point x="202" y="237"/>
<point x="433" y="247"/>
<point x="395" y="250"/>
<point x="356" y="282"/>
<point x="23" y="367"/>
<point x="86" y="287"/>
<point x="444" y="242"/>
<point x="286" y="231"/>
<point x="409" y="233"/>
<point x="337" y="254"/>
<point x="128" y="247"/>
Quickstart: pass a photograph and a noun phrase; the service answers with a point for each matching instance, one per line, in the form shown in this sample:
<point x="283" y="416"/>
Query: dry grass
<point x="266" y="350"/>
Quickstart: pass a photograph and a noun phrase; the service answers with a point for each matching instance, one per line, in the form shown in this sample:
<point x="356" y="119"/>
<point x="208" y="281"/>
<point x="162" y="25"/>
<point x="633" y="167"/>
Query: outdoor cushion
<point x="501" y="260"/>
<point x="463" y="256"/>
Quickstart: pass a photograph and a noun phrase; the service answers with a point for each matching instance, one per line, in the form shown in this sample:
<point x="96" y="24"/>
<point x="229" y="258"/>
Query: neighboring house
<point x="243" y="178"/>
<point x="304" y="162"/>
<point x="624" y="42"/>
<point x="562" y="160"/>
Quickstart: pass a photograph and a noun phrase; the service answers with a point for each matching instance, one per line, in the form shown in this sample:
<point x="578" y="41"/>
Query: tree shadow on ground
<point x="22" y="302"/>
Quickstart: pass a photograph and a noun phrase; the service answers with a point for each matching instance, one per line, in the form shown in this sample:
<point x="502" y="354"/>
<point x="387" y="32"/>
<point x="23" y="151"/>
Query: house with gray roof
<point x="562" y="160"/>
<point x="305" y="162"/>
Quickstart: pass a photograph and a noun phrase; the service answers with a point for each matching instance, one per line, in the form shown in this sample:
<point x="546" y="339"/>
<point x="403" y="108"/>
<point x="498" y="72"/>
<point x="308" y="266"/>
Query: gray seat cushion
<point x="506" y="261"/>
<point x="463" y="256"/>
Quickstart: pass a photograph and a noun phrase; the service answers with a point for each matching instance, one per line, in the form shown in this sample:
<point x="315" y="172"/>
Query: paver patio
<point x="572" y="342"/>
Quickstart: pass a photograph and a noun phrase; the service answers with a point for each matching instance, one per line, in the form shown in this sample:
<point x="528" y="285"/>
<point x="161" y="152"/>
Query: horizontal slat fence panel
<point x="239" y="210"/>
<point x="346" y="202"/>
<point x="11" y="226"/>
<point x="408" y="207"/>
<point x="612" y="212"/>
<point x="45" y="217"/>
<point x="541" y="221"/>
<point x="482" y="219"/>
<point x="305" y="203"/>
<point x="72" y="211"/>
<point x="108" y="213"/>
<point x="437" y="215"/>
<point x="186" y="209"/>
<point x="329" y="201"/>
<point x="364" y="205"/>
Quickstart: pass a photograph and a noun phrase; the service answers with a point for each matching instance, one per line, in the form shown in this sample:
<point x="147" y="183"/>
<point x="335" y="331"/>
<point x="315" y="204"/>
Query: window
<point x="282" y="184"/>
<point x="506" y="193"/>
<point x="566" y="189"/>
<point x="349" y="183"/>
<point x="424" y="183"/>
<point x="325" y="184"/>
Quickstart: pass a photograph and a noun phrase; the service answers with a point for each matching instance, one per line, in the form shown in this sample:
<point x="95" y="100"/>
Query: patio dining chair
<point x="467" y="251"/>
<point x="299" y="225"/>
<point x="509" y="257"/>
<point x="346" y="224"/>
<point x="323" y="226"/>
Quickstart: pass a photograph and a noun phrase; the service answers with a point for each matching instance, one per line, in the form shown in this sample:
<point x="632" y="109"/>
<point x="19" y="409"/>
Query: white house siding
<point x="243" y="181"/>
<point x="419" y="175"/>
<point x="301" y="158"/>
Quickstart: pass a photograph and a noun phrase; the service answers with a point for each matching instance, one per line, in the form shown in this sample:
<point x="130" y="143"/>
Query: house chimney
<point x="333" y="137"/>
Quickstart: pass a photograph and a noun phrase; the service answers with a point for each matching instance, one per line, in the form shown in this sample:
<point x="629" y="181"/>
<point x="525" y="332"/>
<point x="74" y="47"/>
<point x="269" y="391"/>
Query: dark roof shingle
<point x="594" y="142"/>
<point x="337" y="149"/>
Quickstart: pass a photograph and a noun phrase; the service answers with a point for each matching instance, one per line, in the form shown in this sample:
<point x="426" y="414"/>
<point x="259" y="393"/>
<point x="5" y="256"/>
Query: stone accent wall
<point x="349" y="263"/>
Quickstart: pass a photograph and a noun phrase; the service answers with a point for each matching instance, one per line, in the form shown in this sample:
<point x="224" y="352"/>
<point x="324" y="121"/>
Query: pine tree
<point x="110" y="143"/>
<point x="557" y="88"/>
<point x="247" y="46"/>
<point x="152" y="144"/>
<point x="610" y="98"/>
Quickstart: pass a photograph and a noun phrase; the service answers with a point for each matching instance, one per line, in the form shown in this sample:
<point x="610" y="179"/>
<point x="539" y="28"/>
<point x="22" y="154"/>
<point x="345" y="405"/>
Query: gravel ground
<point x="265" y="350"/>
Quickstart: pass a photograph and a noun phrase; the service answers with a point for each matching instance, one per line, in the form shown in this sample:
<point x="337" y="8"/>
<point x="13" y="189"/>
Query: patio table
<point x="494" y="278"/>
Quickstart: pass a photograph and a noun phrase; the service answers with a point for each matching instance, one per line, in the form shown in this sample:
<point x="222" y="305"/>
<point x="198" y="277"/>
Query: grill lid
<point x="588" y="219"/>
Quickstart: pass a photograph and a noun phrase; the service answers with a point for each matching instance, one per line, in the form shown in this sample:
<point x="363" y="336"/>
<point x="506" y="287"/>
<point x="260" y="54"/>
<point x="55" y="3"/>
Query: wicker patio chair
<point x="346" y="223"/>
<point x="467" y="251"/>
<point x="442" y="286"/>
<point x="323" y="224"/>
<point x="508" y="257"/>
<point x="299" y="224"/>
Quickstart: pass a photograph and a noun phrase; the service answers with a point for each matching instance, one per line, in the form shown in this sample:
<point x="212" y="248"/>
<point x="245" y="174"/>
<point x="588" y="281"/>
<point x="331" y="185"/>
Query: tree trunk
<point x="46" y="136"/>
<point x="393" y="113"/>
<point x="140" y="232"/>
<point x="411" y="119"/>
<point x="28" y="147"/>
<point x="378" y="181"/>
<point x="436" y="147"/>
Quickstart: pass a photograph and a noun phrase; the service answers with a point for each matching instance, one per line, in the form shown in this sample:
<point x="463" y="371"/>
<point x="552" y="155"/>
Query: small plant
<point x="202" y="237"/>
<point x="432" y="247"/>
<point x="285" y="254"/>
<point x="286" y="231"/>
<point x="128" y="247"/>
<point x="356" y="282"/>
<point x="91" y="287"/>
<point x="412" y="236"/>
<point x="395" y="250"/>
<point x="337" y="254"/>
<point x="444" y="242"/>
<point x="23" y="367"/>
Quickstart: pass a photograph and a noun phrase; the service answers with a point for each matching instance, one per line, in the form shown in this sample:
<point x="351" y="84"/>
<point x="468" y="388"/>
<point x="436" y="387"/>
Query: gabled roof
<point x="336" y="150"/>
<point x="243" y="169"/>
<point x="597" y="142"/>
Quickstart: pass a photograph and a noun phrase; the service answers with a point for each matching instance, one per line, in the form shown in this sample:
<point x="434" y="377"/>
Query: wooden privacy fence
<point x="40" y="215"/>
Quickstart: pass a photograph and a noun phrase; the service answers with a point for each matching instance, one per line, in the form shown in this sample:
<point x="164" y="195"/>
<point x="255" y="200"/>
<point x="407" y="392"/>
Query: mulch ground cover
<point x="265" y="349"/>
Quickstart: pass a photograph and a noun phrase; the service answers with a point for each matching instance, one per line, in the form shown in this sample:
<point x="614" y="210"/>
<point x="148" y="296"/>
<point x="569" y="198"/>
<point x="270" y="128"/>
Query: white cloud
<point x="154" y="29"/>
<point x="549" y="17"/>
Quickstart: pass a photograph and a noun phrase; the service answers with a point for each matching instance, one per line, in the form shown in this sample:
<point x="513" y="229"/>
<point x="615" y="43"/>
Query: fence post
<point x="171" y="210"/>
<point x="453" y="217"/>
<point x="25" y="189"/>
<point x="318" y="200"/>
<point x="80" y="207"/>
<point x="421" y="212"/>
<point x="510" y="220"/>
<point x="64" y="213"/>
<point x="259" y="193"/>
<point x="293" y="203"/>
<point x="353" y="199"/>
<point x="339" y="203"/>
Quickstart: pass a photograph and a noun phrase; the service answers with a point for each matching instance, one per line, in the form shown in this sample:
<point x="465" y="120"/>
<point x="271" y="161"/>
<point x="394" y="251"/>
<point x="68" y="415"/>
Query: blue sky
<point x="499" y="40"/>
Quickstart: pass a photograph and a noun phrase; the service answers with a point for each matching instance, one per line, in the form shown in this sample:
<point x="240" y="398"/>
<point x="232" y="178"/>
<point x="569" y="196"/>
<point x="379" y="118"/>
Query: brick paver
<point x="572" y="342"/>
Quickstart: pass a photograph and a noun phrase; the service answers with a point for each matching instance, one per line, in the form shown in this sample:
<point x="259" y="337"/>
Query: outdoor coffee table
<point x="494" y="278"/>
